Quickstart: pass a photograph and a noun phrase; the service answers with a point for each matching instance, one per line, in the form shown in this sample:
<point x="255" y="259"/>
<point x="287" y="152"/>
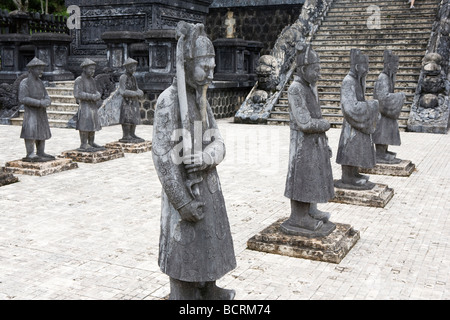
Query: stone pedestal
<point x="39" y="168"/>
<point x="378" y="196"/>
<point x="7" y="178"/>
<point x="93" y="157"/>
<point x="402" y="169"/>
<point x="130" y="147"/>
<point x="332" y="248"/>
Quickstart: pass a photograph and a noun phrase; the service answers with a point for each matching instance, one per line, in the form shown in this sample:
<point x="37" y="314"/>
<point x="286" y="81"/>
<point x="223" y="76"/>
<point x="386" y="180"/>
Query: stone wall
<point x="224" y="102"/>
<point x="255" y="23"/>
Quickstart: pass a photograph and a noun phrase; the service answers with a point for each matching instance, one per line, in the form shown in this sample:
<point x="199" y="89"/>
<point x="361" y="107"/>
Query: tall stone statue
<point x="230" y="24"/>
<point x="130" y="115"/>
<point x="89" y="100"/>
<point x="35" y="128"/>
<point x="356" y="149"/>
<point x="196" y="247"/>
<point x="390" y="105"/>
<point x="310" y="178"/>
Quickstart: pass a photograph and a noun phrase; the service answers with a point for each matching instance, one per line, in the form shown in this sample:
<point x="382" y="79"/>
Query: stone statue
<point x="230" y="24"/>
<point x="196" y="247"/>
<point x="310" y="178"/>
<point x="356" y="148"/>
<point x="390" y="105"/>
<point x="34" y="98"/>
<point x="130" y="115"/>
<point x="89" y="100"/>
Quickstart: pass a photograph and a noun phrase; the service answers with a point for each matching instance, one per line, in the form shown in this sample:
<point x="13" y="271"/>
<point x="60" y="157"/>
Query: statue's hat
<point x="35" y="63"/>
<point x="87" y="62"/>
<point x="306" y="55"/>
<point x="129" y="61"/>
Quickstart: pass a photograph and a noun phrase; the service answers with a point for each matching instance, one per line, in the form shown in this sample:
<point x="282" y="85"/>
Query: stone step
<point x="59" y="91"/>
<point x="63" y="99"/>
<point x="371" y="36"/>
<point x="383" y="23"/>
<point x="62" y="84"/>
<point x="385" y="3"/>
<point x="411" y="41"/>
<point x="52" y="123"/>
<point x="64" y="107"/>
<point x="342" y="10"/>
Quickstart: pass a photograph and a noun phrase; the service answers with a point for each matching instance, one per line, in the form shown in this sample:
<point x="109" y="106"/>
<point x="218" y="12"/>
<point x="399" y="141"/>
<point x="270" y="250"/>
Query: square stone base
<point x="93" y="157"/>
<point x="402" y="169"/>
<point x="7" y="178"/>
<point x="379" y="196"/>
<point x="130" y="147"/>
<point x="332" y="248"/>
<point x="39" y="168"/>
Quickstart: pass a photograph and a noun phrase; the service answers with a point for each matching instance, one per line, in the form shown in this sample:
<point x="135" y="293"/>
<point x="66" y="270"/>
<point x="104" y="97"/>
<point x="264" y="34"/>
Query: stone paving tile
<point x="93" y="232"/>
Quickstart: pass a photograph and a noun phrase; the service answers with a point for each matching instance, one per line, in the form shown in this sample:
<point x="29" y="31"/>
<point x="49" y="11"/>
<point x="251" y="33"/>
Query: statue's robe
<point x="130" y="108"/>
<point x="190" y="251"/>
<point x="390" y="105"/>
<point x="35" y="120"/>
<point x="356" y="147"/>
<point x="309" y="178"/>
<point x="84" y="91"/>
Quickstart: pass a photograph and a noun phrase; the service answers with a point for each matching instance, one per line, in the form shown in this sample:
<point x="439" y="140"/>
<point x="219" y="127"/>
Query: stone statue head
<point x="390" y="62"/>
<point x="359" y="63"/>
<point x="88" y="67"/>
<point x="36" y="67"/>
<point x="198" y="54"/>
<point x="308" y="63"/>
<point x="268" y="71"/>
<point x="130" y="65"/>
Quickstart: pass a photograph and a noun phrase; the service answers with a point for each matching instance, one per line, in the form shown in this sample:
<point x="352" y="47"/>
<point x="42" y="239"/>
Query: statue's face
<point x="362" y="69"/>
<point x="37" y="71"/>
<point x="311" y="72"/>
<point x="89" y="70"/>
<point x="131" y="68"/>
<point x="203" y="71"/>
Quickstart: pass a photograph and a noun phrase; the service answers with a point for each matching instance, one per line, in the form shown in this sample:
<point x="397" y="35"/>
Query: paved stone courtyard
<point x="93" y="232"/>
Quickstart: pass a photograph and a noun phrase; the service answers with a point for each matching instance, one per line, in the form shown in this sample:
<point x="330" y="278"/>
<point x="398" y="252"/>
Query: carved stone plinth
<point x="39" y="168"/>
<point x="7" y="178"/>
<point x="332" y="248"/>
<point x="130" y="147"/>
<point x="93" y="157"/>
<point x="402" y="169"/>
<point x="378" y="196"/>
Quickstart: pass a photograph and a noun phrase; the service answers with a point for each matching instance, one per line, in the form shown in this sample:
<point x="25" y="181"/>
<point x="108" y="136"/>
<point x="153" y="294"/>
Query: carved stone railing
<point x="265" y="94"/>
<point x="430" y="109"/>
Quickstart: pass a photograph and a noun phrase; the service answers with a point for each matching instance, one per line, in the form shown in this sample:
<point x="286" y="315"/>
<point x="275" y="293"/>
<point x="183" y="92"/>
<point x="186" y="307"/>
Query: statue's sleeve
<point x="361" y="115"/>
<point x="390" y="103"/>
<point x="215" y="150"/>
<point x="24" y="95"/>
<point x="301" y="115"/>
<point x="165" y="153"/>
<point x="78" y="92"/>
<point x="123" y="88"/>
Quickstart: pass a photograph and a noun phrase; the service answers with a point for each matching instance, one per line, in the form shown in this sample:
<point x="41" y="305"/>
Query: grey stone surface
<point x="83" y="240"/>
<point x="196" y="247"/>
<point x="390" y="106"/>
<point x="34" y="98"/>
<point x="356" y="149"/>
<point x="89" y="101"/>
<point x="309" y="179"/>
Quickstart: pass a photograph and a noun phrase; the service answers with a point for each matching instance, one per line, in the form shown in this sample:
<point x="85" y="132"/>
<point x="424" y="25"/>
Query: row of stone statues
<point x="368" y="128"/>
<point x="196" y="246"/>
<point x="35" y="99"/>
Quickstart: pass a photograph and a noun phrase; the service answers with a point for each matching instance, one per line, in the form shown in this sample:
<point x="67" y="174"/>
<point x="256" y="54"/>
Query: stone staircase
<point x="63" y="105"/>
<point x="404" y="31"/>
